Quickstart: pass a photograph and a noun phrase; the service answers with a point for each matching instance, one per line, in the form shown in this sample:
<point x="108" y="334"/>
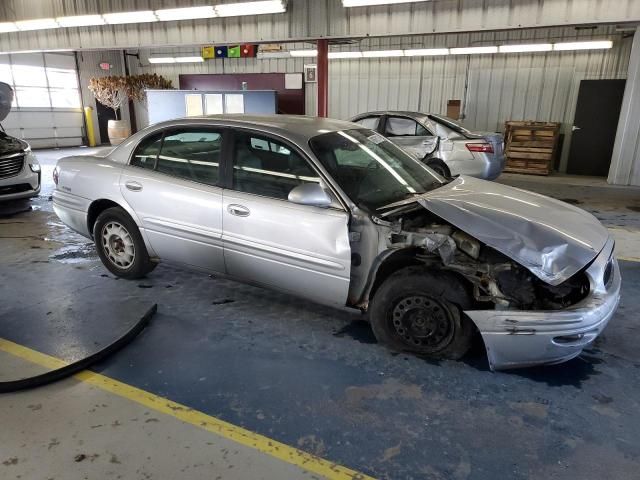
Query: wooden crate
<point x="531" y="147"/>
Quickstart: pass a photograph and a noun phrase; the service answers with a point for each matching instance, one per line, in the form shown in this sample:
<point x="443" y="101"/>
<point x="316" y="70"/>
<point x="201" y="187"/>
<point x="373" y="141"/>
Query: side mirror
<point x="310" y="194"/>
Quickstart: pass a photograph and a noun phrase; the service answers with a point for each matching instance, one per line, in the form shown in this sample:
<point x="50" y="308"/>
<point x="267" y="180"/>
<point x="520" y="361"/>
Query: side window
<point x="404" y="127"/>
<point x="147" y="151"/>
<point x="369" y="122"/>
<point x="192" y="155"/>
<point x="267" y="167"/>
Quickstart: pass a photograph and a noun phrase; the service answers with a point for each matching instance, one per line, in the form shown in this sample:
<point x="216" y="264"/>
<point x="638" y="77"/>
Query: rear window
<point x="451" y="124"/>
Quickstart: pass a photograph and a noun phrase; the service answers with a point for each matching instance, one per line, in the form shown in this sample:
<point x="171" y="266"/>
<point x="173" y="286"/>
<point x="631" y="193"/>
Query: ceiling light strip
<point x="368" y="3"/>
<point x="260" y="7"/>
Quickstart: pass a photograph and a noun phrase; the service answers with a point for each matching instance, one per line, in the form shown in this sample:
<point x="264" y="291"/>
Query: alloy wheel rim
<point x="422" y="323"/>
<point x="118" y="245"/>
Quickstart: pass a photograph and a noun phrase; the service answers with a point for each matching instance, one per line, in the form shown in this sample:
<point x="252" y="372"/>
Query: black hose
<point x="83" y="364"/>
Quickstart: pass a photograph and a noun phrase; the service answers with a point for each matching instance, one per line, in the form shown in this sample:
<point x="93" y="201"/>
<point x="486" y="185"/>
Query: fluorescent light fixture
<point x="597" y="45"/>
<point x="80" y="21"/>
<point x="162" y="60"/>
<point x="251" y="8"/>
<point x="8" y="27"/>
<point x="37" y="51"/>
<point x="426" y="52"/>
<point x="193" y="59"/>
<point x="189" y="13"/>
<point x="345" y="55"/>
<point x="143" y="16"/>
<point x="366" y="3"/>
<point x="303" y="53"/>
<point x="272" y="55"/>
<point x="383" y="53"/>
<point x="37" y="24"/>
<point x="473" y="50"/>
<point x="533" y="47"/>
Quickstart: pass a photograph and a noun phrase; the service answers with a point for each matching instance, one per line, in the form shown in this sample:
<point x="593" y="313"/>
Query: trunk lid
<point x="552" y="239"/>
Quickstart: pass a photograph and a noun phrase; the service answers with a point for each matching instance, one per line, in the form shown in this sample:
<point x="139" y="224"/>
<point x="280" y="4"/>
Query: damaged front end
<point x="528" y="312"/>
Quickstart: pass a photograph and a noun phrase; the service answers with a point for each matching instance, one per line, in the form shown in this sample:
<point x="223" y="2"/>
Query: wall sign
<point x="311" y="73"/>
<point x="229" y="51"/>
<point x="105" y="66"/>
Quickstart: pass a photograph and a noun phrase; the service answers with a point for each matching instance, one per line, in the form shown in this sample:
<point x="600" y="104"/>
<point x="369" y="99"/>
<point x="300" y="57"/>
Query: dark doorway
<point x="104" y="115"/>
<point x="595" y="126"/>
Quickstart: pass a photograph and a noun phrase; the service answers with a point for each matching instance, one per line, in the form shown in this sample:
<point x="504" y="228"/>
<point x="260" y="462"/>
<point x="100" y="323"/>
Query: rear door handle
<point x="238" y="210"/>
<point x="133" y="186"/>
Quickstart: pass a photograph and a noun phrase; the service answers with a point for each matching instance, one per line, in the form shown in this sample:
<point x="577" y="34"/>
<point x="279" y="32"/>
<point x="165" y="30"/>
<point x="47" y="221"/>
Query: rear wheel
<point x="120" y="245"/>
<point x="439" y="167"/>
<point x="419" y="311"/>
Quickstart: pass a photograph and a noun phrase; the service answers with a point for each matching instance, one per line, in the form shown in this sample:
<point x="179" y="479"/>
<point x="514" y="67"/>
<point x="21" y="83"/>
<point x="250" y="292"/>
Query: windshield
<point x="371" y="170"/>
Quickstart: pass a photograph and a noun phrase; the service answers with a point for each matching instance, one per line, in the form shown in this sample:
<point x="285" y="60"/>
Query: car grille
<point x="11" y="165"/>
<point x="21" y="187"/>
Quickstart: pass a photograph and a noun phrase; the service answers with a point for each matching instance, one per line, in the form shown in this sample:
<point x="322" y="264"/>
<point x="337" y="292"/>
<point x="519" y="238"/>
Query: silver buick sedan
<point x="337" y="214"/>
<point x="440" y="142"/>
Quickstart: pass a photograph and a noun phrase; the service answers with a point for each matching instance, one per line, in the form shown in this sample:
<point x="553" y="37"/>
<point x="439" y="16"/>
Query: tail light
<point x="480" y="147"/>
<point x="55" y="175"/>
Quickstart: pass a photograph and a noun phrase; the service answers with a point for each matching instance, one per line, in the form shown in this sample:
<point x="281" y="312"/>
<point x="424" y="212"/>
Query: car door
<point x="271" y="241"/>
<point x="410" y="135"/>
<point x="171" y="183"/>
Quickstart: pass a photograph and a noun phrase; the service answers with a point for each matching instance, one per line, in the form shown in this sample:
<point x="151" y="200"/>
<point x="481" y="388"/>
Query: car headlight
<point x="35" y="167"/>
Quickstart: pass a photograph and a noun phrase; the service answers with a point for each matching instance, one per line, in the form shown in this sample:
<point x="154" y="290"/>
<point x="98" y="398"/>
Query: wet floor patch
<point x="75" y="253"/>
<point x="358" y="330"/>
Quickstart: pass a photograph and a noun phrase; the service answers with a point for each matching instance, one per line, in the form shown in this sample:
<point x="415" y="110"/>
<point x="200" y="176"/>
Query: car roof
<point x="404" y="113"/>
<point x="299" y="126"/>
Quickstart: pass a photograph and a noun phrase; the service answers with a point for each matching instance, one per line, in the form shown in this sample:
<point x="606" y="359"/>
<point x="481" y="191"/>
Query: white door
<point x="171" y="184"/>
<point x="271" y="241"/>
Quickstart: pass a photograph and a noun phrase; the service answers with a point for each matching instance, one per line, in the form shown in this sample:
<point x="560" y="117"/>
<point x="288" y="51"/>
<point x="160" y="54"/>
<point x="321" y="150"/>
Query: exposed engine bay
<point x="494" y="278"/>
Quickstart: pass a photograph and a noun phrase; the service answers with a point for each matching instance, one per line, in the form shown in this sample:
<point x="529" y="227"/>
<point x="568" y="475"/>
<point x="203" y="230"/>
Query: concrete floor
<point x="307" y="376"/>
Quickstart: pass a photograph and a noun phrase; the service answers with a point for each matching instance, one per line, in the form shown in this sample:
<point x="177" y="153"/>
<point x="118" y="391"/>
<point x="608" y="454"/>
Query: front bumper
<point x="25" y="184"/>
<point x="515" y="339"/>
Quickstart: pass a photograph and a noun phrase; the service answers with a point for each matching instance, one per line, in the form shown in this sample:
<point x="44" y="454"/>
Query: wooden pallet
<point x="531" y="147"/>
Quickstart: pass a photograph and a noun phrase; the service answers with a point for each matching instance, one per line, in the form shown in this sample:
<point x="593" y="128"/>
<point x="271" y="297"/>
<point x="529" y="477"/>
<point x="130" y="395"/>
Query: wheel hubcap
<point x="117" y="244"/>
<point x="422" y="322"/>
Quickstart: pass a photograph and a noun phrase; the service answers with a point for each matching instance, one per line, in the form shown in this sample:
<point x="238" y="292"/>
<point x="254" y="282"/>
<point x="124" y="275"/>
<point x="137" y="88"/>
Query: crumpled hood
<point x="9" y="145"/>
<point x="553" y="239"/>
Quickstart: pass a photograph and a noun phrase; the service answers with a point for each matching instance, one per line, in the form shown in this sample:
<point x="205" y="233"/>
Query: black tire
<point x="418" y="311"/>
<point x="120" y="245"/>
<point x="438" y="166"/>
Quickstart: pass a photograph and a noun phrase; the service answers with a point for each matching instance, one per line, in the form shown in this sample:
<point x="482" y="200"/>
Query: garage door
<point x="47" y="110"/>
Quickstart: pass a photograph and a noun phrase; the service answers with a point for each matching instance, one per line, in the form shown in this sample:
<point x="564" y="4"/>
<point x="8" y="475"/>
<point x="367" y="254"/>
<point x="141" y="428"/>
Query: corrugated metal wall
<point x="540" y="86"/>
<point x="305" y="19"/>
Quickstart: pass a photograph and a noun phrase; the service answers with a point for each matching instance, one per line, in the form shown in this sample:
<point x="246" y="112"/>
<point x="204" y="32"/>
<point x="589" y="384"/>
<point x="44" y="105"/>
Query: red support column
<point x="323" y="78"/>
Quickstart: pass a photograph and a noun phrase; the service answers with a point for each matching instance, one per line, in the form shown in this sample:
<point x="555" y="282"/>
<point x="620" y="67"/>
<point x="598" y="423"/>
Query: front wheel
<point x="420" y="312"/>
<point x="120" y="245"/>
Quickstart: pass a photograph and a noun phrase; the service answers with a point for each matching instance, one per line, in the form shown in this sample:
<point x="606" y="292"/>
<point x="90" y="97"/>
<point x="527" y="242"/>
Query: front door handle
<point x="238" y="210"/>
<point x="133" y="186"/>
<point x="574" y="128"/>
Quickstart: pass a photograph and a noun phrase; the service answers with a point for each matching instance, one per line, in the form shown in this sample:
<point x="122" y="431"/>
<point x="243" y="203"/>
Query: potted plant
<point x="111" y="92"/>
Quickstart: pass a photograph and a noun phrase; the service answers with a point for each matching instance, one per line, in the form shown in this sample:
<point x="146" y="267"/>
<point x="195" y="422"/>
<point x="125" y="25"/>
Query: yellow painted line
<point x="628" y="259"/>
<point x="273" y="448"/>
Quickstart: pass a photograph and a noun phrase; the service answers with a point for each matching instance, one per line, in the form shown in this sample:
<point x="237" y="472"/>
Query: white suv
<point x="19" y="168"/>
